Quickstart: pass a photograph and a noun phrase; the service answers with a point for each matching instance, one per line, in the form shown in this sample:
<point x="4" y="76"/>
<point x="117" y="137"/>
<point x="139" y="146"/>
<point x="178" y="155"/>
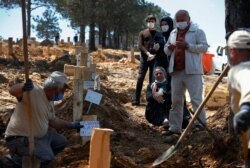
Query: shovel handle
<point x="26" y="66"/>
<point x="199" y="109"/>
<point x="25" y="48"/>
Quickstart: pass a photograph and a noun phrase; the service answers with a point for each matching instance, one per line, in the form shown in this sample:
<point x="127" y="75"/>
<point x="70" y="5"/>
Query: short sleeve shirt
<point x="42" y="112"/>
<point x="239" y="85"/>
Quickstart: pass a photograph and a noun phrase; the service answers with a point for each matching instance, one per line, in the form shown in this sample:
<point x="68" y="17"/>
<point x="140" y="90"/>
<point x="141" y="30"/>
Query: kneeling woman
<point x="159" y="100"/>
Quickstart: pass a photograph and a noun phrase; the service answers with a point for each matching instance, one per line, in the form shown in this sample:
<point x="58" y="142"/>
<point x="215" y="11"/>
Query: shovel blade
<point x="166" y="155"/>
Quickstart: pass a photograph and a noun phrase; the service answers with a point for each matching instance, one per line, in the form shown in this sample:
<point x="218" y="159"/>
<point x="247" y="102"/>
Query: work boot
<point x="172" y="137"/>
<point x="198" y="127"/>
<point x="7" y="162"/>
<point x="135" y="102"/>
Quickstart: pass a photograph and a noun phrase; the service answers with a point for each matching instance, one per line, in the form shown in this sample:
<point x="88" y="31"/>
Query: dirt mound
<point x="135" y="143"/>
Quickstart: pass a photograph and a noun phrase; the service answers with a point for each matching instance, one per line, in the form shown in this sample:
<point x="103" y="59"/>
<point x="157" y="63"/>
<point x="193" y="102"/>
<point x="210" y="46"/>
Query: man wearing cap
<point x="47" y="143"/>
<point x="149" y="48"/>
<point x="239" y="82"/>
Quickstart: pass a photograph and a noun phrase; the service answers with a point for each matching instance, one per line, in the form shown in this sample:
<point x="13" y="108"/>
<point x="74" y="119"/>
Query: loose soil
<point x="135" y="143"/>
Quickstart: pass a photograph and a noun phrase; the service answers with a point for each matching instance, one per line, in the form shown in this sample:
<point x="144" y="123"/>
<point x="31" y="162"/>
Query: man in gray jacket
<point x="184" y="46"/>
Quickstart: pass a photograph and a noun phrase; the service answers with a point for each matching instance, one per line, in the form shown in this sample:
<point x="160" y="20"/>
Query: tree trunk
<point x="100" y="34"/>
<point x="104" y="32"/>
<point x="110" y="38"/>
<point x="237" y="14"/>
<point x="28" y="10"/>
<point x="126" y="40"/>
<point x="133" y="41"/>
<point x="82" y="33"/>
<point x="116" y="39"/>
<point x="92" y="27"/>
<point x="83" y="24"/>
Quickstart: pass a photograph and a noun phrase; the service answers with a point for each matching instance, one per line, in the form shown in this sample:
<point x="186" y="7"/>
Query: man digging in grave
<point x="239" y="87"/>
<point x="47" y="143"/>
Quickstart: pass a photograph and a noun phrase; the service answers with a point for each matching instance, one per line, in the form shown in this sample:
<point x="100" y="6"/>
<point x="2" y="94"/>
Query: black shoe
<point x="172" y="137"/>
<point x="198" y="128"/>
<point x="135" y="103"/>
<point x="6" y="162"/>
<point x="168" y="133"/>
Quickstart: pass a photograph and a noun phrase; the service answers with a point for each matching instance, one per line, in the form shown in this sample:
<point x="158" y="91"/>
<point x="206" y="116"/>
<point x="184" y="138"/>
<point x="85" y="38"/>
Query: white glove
<point x="150" y="56"/>
<point x="156" y="46"/>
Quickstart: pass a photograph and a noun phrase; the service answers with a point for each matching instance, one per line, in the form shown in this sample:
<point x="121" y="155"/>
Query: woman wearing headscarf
<point x="161" y="58"/>
<point x="158" y="98"/>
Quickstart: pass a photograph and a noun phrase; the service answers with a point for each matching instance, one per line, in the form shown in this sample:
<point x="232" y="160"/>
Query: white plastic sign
<point x="93" y="97"/>
<point x="88" y="127"/>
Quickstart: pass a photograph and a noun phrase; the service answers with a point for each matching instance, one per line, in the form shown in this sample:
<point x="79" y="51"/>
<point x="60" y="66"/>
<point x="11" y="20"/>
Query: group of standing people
<point x="174" y="59"/>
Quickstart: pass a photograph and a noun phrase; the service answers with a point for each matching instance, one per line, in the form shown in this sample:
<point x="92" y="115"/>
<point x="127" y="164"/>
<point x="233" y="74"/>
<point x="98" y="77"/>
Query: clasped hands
<point x="178" y="44"/>
<point x="158" y="97"/>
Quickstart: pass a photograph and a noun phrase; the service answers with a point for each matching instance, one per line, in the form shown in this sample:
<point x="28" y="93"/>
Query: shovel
<point x="174" y="148"/>
<point x="28" y="161"/>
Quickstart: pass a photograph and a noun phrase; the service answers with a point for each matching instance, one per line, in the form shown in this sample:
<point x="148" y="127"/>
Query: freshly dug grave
<point x="135" y="143"/>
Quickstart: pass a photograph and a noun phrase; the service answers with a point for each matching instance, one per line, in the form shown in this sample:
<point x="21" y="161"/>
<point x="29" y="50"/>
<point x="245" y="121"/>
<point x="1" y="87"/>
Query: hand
<point x="171" y="47"/>
<point x="75" y="125"/>
<point x="151" y="57"/>
<point x="159" y="98"/>
<point x="241" y="121"/>
<point x="156" y="46"/>
<point x="181" y="44"/>
<point x="28" y="85"/>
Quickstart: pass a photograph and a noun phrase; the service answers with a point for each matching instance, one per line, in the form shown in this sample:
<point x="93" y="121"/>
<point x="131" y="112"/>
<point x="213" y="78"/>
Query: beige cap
<point x="239" y="39"/>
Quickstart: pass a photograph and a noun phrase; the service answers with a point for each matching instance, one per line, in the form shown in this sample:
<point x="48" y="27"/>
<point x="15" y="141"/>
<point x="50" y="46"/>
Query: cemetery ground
<point x="134" y="143"/>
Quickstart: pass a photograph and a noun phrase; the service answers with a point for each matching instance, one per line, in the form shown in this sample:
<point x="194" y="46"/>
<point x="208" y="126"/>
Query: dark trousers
<point x="46" y="147"/>
<point x="144" y="66"/>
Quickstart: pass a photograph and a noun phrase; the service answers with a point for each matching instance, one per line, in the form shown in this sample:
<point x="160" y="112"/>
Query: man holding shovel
<point x="47" y="143"/>
<point x="239" y="85"/>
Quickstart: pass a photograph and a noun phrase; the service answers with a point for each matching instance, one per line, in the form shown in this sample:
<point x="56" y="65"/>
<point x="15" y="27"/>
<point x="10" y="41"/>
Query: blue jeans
<point x="45" y="150"/>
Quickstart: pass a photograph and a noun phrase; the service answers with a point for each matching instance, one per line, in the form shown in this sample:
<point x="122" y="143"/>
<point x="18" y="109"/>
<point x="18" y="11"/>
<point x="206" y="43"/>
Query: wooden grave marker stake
<point x="100" y="154"/>
<point x="132" y="55"/>
<point x="78" y="94"/>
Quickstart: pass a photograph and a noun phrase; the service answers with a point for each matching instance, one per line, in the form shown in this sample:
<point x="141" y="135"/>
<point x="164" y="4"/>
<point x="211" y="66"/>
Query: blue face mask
<point x="57" y="97"/>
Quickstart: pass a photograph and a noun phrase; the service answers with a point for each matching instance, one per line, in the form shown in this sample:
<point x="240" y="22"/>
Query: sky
<point x="208" y="14"/>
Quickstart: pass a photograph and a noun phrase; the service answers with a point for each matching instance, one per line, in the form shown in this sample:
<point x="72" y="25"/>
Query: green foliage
<point x="119" y="17"/>
<point x="47" y="26"/>
<point x="9" y="4"/>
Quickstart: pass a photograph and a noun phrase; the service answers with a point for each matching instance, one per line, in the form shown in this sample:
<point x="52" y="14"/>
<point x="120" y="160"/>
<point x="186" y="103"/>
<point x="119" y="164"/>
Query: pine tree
<point x="47" y="26"/>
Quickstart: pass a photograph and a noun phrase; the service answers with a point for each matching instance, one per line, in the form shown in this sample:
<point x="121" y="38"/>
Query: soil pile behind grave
<point x="135" y="143"/>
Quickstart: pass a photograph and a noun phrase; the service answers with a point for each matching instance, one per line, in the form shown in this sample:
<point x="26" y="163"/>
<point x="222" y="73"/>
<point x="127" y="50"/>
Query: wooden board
<point x="100" y="155"/>
<point x="78" y="94"/>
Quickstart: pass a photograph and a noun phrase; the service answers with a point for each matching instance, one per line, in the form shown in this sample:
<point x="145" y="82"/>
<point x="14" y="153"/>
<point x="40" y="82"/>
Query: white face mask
<point x="165" y="28"/>
<point x="151" y="25"/>
<point x="182" y="25"/>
